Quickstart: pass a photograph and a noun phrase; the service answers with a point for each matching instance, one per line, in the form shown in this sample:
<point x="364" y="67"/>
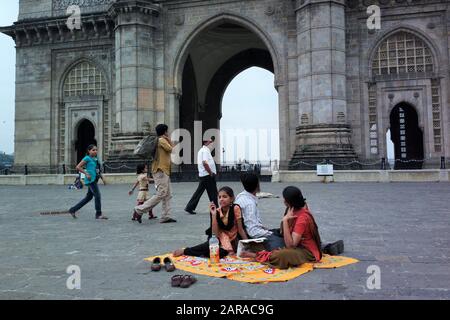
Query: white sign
<point x="324" y="169"/>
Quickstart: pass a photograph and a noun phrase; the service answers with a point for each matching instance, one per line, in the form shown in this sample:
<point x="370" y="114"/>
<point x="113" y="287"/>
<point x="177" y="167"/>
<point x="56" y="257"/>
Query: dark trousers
<point x="274" y="242"/>
<point x="208" y="183"/>
<point x="202" y="250"/>
<point x="93" y="192"/>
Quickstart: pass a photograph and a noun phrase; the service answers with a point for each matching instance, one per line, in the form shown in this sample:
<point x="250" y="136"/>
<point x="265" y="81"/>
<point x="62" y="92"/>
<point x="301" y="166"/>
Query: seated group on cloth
<point x="296" y="242"/>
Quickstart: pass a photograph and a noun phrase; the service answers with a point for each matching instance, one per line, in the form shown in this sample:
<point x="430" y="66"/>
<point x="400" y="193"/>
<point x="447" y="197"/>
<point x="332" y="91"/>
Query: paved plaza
<point x="401" y="227"/>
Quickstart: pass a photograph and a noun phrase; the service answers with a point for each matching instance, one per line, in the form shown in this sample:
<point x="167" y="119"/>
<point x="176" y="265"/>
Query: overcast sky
<point x="9" y="11"/>
<point x="250" y="102"/>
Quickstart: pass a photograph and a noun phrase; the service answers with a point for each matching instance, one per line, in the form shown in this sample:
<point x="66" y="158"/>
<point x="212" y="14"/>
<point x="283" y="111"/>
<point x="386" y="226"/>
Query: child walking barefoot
<point x="226" y="226"/>
<point x="92" y="175"/>
<point x="142" y="181"/>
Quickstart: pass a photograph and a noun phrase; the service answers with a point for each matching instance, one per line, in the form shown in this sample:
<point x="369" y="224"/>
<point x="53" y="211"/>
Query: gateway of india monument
<point x="132" y="64"/>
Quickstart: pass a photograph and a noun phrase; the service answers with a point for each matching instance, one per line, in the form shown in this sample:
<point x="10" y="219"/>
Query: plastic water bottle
<point x="214" y="257"/>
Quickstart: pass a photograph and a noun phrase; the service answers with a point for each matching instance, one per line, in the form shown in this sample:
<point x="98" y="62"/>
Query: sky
<point x="8" y="15"/>
<point x="250" y="102"/>
<point x="251" y="95"/>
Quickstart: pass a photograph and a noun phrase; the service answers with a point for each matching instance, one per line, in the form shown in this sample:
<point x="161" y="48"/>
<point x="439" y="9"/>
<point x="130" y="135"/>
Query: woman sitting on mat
<point x="226" y="226"/>
<point x="300" y="234"/>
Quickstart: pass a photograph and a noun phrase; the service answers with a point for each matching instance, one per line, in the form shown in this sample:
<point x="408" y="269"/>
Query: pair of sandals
<point x="168" y="264"/>
<point x="183" y="281"/>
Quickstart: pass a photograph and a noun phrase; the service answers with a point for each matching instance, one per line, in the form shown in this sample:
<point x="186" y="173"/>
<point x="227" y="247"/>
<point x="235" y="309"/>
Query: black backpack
<point x="147" y="147"/>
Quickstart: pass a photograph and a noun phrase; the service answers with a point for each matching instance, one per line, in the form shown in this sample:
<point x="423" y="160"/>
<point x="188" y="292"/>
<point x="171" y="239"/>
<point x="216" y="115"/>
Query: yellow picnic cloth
<point x="243" y="270"/>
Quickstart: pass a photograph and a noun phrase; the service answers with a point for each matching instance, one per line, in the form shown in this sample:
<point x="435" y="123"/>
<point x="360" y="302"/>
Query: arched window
<point x="84" y="79"/>
<point x="402" y="52"/>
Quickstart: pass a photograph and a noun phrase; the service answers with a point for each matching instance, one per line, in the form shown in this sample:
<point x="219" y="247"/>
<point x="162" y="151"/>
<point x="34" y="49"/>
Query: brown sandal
<point x="156" y="264"/>
<point x="168" y="264"/>
<point x="176" y="280"/>
<point x="187" y="281"/>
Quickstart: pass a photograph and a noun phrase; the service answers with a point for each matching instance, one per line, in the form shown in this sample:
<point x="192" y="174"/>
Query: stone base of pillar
<point x="121" y="157"/>
<point x="323" y="143"/>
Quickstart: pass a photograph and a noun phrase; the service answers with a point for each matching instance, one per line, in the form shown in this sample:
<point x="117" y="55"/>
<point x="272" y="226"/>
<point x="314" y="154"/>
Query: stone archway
<point x="407" y="137"/>
<point x="214" y="57"/>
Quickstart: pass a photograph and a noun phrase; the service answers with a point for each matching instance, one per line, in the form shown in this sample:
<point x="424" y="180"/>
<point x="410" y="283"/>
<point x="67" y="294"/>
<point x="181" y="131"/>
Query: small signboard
<point x="324" y="169"/>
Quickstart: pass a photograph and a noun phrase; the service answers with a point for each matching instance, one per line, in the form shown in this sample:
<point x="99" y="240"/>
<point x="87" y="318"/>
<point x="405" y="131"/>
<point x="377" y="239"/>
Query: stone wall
<point x="33" y="106"/>
<point x="425" y="19"/>
<point x="143" y="62"/>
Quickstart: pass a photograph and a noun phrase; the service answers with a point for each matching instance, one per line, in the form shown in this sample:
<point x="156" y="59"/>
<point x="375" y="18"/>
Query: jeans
<point x="274" y="242"/>
<point x="93" y="192"/>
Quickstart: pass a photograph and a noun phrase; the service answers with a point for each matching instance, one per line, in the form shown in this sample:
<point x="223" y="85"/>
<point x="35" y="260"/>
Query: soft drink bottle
<point x="214" y="257"/>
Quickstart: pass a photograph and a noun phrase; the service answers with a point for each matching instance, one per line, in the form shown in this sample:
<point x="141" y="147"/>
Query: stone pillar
<point x="136" y="24"/>
<point x="323" y="132"/>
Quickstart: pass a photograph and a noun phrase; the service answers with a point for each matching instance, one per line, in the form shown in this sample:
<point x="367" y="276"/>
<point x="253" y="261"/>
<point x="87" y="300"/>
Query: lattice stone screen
<point x="402" y="52"/>
<point x="373" y="119"/>
<point x="84" y="79"/>
<point x="436" y="111"/>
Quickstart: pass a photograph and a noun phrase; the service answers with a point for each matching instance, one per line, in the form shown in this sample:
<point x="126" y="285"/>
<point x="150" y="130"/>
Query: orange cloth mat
<point x="243" y="270"/>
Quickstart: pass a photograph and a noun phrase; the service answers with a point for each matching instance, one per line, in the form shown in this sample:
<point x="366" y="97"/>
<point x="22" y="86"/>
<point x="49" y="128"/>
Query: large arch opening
<point x="407" y="137"/>
<point x="214" y="57"/>
<point x="85" y="137"/>
<point x="250" y="119"/>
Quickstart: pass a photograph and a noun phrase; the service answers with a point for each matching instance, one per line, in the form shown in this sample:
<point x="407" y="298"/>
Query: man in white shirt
<point x="251" y="216"/>
<point x="207" y="178"/>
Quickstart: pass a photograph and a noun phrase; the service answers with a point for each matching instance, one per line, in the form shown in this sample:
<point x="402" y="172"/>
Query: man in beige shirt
<point x="161" y="175"/>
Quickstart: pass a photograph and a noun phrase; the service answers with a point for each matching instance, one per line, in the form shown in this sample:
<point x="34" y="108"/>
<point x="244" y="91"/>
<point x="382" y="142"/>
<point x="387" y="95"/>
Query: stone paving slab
<point x="401" y="227"/>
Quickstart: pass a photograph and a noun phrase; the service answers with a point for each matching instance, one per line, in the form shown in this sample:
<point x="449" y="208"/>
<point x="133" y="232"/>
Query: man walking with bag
<point x="161" y="175"/>
<point x="207" y="178"/>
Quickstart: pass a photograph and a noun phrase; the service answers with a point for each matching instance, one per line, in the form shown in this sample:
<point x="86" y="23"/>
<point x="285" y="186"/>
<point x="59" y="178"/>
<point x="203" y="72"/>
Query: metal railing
<point x="260" y="167"/>
<point x="381" y="164"/>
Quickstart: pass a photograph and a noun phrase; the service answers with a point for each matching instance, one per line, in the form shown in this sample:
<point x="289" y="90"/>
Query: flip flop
<point x="187" y="281"/>
<point x="156" y="264"/>
<point x="176" y="280"/>
<point x="168" y="264"/>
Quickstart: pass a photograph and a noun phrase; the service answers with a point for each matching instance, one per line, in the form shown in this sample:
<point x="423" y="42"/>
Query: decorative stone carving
<point x="146" y="129"/>
<point x="116" y="128"/>
<point x="270" y="10"/>
<point x="63" y="4"/>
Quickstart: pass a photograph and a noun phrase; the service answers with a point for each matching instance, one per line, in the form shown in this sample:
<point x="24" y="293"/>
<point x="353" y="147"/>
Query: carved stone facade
<point x="137" y="63"/>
